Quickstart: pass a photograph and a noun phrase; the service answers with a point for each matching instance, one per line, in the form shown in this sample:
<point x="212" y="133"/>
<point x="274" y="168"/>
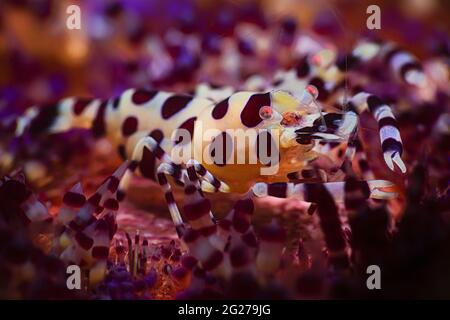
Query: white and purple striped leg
<point x="391" y="141"/>
<point x="201" y="235"/>
<point x="404" y="65"/>
<point x="209" y="182"/>
<point x="147" y="149"/>
<point x="164" y="170"/>
<point x="374" y="189"/>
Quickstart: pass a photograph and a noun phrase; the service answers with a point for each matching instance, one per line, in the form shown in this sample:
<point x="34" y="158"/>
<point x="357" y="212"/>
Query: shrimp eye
<point x="312" y="90"/>
<point x="266" y="113"/>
